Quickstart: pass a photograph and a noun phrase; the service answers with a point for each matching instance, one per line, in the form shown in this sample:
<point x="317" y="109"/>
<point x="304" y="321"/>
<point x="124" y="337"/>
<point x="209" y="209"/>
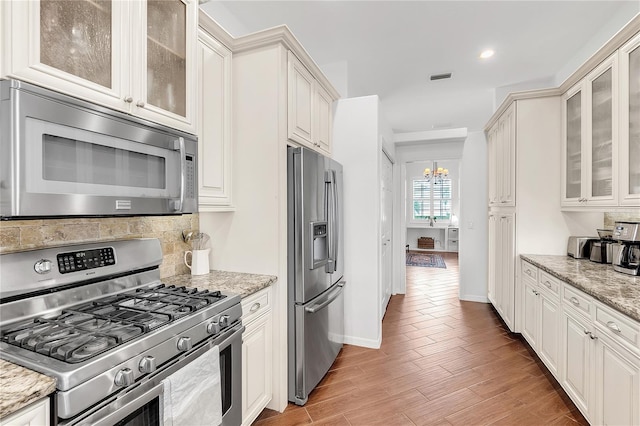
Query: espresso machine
<point x="627" y="258"/>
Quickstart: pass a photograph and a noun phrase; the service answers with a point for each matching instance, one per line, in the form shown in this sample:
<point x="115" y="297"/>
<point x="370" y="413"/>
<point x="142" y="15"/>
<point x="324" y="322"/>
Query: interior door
<point x="386" y="226"/>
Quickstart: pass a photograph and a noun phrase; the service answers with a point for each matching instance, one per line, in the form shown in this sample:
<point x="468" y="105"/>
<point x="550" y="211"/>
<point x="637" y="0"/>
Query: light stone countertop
<point x="235" y="282"/>
<point x="20" y="387"/>
<point x="615" y="289"/>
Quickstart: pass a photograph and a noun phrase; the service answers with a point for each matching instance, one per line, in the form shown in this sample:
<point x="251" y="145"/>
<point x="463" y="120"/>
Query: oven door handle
<point x="130" y="408"/>
<point x="183" y="173"/>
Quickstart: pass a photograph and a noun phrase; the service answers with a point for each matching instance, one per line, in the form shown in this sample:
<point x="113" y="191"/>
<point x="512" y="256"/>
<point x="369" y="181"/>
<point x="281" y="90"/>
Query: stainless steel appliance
<point x="579" y="247"/>
<point x="315" y="269"/>
<point x="627" y="259"/>
<point x="602" y="249"/>
<point x="97" y="318"/>
<point x="60" y="156"/>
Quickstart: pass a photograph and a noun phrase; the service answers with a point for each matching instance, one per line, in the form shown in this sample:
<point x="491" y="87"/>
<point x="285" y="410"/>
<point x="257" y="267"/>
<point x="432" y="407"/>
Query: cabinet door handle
<point x="536" y="292"/>
<point x="613" y="326"/>
<point x="547" y="284"/>
<point x="575" y="301"/>
<point x="140" y="104"/>
<point x="128" y="99"/>
<point x="255" y="307"/>
<point x="592" y="336"/>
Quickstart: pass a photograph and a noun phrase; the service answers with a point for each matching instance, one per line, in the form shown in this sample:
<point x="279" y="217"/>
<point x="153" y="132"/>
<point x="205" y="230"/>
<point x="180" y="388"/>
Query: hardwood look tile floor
<point x="442" y="362"/>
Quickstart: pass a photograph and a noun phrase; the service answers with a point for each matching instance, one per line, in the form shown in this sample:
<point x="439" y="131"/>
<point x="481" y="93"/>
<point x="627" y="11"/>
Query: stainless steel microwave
<point x="61" y="156"/>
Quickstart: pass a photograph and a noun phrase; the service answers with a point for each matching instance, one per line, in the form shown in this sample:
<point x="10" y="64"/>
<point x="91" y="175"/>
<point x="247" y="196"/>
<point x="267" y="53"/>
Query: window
<point x="432" y="199"/>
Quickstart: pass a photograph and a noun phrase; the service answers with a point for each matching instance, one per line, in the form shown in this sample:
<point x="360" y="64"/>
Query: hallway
<point x="442" y="361"/>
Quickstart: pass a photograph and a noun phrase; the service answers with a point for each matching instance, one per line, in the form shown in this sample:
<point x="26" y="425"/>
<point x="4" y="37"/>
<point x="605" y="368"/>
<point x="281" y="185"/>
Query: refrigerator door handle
<point x="332" y="217"/>
<point x="333" y="296"/>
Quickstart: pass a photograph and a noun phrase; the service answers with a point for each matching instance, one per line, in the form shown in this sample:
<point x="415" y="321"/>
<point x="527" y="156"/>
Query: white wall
<point x="356" y="145"/>
<point x="627" y="10"/>
<point x="472" y="254"/>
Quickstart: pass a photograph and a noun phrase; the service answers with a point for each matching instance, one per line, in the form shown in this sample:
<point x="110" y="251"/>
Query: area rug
<point x="425" y="259"/>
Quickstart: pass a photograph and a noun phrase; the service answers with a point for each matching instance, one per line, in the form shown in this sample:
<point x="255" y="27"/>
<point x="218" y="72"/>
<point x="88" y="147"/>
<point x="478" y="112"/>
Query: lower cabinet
<point x="36" y="414"/>
<point x="256" y="355"/>
<point x="617" y="382"/>
<point x="577" y="365"/>
<point x="592" y="349"/>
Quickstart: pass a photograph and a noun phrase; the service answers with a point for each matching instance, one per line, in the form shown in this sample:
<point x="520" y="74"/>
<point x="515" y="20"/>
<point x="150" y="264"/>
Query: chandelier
<point x="437" y="174"/>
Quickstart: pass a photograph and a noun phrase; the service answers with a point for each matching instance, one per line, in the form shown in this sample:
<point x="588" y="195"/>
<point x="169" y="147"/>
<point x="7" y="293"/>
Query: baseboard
<point x="474" y="298"/>
<point x="367" y="343"/>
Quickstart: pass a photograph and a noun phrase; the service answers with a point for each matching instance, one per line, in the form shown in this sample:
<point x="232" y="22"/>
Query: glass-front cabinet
<point x="630" y="123"/>
<point x="590" y="138"/>
<point x="133" y="56"/>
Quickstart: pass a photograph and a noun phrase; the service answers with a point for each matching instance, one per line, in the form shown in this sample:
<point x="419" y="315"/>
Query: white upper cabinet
<point x="310" y="109"/>
<point x="630" y="123"/>
<point x="214" y="124"/>
<point x="133" y="56"/>
<point x="590" y="139"/>
<point x="502" y="160"/>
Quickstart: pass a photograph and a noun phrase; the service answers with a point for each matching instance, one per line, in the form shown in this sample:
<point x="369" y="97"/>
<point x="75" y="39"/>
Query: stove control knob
<point x="147" y="365"/>
<point x="184" y="344"/>
<point x="224" y="321"/>
<point x="213" y="327"/>
<point x="124" y="377"/>
<point x="42" y="266"/>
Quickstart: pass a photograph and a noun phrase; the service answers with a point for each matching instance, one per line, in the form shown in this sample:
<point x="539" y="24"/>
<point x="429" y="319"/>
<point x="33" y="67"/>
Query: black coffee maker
<point x="627" y="258"/>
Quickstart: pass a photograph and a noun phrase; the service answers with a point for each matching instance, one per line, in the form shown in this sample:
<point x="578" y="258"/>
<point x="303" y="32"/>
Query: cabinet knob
<point x="140" y="104"/>
<point x="128" y="99"/>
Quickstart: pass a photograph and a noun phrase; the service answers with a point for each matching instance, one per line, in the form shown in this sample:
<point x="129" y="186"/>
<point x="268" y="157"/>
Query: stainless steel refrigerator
<point x="315" y="269"/>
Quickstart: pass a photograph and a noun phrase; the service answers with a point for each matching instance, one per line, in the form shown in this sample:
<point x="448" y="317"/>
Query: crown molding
<point x="281" y="35"/>
<point x="613" y="44"/>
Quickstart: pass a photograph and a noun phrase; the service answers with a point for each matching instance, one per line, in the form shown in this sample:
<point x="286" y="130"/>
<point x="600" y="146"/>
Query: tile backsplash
<point x="611" y="218"/>
<point x="37" y="233"/>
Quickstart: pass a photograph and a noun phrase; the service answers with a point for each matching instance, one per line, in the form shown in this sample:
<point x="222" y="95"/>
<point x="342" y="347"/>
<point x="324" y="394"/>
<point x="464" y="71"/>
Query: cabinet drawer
<point x="529" y="270"/>
<point x="617" y="325"/>
<point x="578" y="300"/>
<point x="549" y="284"/>
<point x="255" y="305"/>
<point x="453" y="233"/>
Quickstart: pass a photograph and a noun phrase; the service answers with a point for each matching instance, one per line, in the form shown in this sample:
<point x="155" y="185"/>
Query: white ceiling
<point x="390" y="48"/>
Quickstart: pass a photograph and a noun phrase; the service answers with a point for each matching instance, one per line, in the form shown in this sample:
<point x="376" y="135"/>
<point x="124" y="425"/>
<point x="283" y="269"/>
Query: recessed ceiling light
<point x="440" y="76"/>
<point x="487" y="54"/>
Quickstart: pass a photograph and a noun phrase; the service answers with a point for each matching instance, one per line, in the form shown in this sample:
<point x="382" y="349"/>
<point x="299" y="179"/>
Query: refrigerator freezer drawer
<point x="319" y="333"/>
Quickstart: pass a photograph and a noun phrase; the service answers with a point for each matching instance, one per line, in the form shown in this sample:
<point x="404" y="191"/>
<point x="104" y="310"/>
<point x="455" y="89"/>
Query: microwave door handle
<point x="183" y="172"/>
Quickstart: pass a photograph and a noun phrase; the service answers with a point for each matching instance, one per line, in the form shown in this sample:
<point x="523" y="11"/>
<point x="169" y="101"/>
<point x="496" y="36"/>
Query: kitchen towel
<point x="192" y="395"/>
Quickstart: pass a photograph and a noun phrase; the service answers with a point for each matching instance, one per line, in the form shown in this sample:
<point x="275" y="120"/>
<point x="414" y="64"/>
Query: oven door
<point x="142" y="404"/>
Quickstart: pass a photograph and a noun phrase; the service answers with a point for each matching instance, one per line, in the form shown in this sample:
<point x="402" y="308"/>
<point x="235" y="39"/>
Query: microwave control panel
<point x="190" y="190"/>
<point x="85" y="259"/>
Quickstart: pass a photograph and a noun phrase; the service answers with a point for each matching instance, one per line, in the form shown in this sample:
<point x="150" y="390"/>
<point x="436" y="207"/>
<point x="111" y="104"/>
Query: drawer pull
<point x="547" y="284"/>
<point x="528" y="272"/>
<point x="255" y="307"/>
<point x="575" y="301"/>
<point x="613" y="326"/>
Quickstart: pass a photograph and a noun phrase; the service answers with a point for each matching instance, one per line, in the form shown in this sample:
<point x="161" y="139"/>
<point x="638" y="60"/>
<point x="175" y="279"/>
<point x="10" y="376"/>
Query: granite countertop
<point x="234" y="282"/>
<point x="615" y="289"/>
<point x="20" y="387"/>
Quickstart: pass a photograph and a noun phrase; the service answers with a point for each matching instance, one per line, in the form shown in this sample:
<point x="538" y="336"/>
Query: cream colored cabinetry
<point x="629" y="164"/>
<point x="502" y="261"/>
<point x="137" y="57"/>
<point x="541" y="314"/>
<point x="310" y="115"/>
<point x="36" y="414"/>
<point x="577" y="358"/>
<point x="590" y="138"/>
<point x="214" y="124"/>
<point x="502" y="159"/>
<point x="256" y="355"/>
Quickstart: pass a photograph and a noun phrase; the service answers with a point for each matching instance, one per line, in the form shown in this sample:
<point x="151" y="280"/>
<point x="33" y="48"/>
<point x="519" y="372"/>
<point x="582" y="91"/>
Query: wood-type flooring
<point x="442" y="362"/>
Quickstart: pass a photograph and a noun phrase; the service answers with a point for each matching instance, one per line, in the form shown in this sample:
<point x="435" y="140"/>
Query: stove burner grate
<point x="92" y="328"/>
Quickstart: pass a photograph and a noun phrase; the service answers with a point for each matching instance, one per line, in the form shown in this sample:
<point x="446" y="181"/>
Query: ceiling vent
<point x="440" y="76"/>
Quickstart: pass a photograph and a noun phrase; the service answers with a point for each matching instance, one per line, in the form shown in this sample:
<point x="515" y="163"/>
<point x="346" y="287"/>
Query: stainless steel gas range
<point x="97" y="318"/>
